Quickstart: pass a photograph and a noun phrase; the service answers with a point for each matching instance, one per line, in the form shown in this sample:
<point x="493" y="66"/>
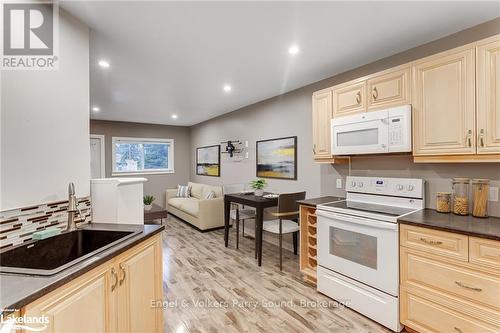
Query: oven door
<point x="360" y="134"/>
<point x="362" y="249"/>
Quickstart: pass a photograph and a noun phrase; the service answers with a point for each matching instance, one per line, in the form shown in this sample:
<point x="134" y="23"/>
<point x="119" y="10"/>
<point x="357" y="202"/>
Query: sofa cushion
<point x="216" y="189"/>
<point x="196" y="190"/>
<point x="187" y="205"/>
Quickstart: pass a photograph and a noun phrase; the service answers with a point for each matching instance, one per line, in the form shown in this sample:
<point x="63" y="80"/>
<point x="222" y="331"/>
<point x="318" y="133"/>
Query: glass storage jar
<point x="443" y="202"/>
<point x="461" y="196"/>
<point x="480" y="189"/>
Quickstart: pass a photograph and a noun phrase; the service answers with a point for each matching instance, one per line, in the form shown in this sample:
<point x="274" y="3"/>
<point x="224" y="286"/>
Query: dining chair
<point x="286" y="220"/>
<point x="238" y="212"/>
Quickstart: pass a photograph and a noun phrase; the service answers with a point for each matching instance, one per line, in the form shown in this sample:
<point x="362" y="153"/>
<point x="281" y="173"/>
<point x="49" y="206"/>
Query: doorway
<point x="97" y="163"/>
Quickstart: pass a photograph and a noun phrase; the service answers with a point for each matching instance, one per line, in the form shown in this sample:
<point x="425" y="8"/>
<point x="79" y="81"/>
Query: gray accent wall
<point x="157" y="183"/>
<point x="290" y="114"/>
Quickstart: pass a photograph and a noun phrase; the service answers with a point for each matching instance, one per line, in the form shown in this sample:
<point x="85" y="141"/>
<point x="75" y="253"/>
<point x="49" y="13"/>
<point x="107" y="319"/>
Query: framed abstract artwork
<point x="208" y="161"/>
<point x="277" y="158"/>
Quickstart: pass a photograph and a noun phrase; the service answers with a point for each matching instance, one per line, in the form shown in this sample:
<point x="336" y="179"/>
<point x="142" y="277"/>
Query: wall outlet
<point x="493" y="195"/>
<point x="246" y="155"/>
<point x="339" y="183"/>
<point x="246" y="145"/>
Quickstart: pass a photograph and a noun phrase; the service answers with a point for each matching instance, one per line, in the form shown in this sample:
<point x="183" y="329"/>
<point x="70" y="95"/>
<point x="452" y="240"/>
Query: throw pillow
<point x="210" y="195"/>
<point x="183" y="191"/>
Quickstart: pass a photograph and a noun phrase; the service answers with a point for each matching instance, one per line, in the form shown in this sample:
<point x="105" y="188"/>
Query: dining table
<point x="259" y="203"/>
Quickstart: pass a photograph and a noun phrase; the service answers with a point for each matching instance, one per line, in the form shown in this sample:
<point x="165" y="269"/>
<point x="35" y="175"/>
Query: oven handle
<point x="358" y="220"/>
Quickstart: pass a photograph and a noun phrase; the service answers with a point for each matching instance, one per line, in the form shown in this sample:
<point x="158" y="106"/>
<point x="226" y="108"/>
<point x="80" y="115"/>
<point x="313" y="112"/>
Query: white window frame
<point x="171" y="164"/>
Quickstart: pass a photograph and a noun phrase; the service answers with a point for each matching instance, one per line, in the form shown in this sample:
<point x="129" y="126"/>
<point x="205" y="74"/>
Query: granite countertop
<point x="468" y="225"/>
<point x="318" y="201"/>
<point x="20" y="290"/>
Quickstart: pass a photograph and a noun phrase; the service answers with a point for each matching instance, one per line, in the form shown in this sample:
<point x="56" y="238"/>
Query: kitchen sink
<point x="54" y="254"/>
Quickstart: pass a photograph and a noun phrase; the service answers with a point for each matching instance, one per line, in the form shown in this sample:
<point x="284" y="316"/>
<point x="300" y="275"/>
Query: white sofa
<point x="203" y="214"/>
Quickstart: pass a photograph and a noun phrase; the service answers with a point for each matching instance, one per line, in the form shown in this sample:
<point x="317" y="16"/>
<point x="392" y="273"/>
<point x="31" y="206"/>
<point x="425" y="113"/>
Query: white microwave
<point x="376" y="132"/>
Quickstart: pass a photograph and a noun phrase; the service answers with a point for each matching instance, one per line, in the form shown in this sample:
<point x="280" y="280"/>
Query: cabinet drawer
<point x="447" y="244"/>
<point x="349" y="98"/>
<point x="484" y="252"/>
<point x="449" y="278"/>
<point x="389" y="89"/>
<point x="426" y="316"/>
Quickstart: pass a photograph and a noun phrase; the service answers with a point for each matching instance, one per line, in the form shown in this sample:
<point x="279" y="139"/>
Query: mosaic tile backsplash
<point x="18" y="225"/>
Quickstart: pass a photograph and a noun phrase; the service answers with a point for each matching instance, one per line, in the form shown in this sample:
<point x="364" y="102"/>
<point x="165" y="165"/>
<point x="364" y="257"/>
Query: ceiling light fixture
<point x="103" y="63"/>
<point x="174" y="116"/>
<point x="227" y="88"/>
<point x="96" y="109"/>
<point x="293" y="50"/>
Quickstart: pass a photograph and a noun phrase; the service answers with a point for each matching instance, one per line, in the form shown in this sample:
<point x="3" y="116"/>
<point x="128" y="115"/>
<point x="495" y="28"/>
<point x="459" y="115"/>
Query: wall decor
<point x="277" y="158"/>
<point x="208" y="161"/>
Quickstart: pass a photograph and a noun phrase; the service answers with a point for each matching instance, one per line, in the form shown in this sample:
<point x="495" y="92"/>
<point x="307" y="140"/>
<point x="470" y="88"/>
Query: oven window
<point x="354" y="246"/>
<point x="358" y="138"/>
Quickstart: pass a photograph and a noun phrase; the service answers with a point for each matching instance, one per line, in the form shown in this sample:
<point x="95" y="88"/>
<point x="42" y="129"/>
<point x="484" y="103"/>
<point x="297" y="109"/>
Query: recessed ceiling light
<point x="294" y="49"/>
<point x="174" y="116"/>
<point x="96" y="109"/>
<point x="227" y="88"/>
<point x="103" y="63"/>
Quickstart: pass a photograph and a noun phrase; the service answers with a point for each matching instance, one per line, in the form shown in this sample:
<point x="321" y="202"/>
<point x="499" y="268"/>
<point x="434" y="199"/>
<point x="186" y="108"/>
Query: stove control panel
<point x="400" y="187"/>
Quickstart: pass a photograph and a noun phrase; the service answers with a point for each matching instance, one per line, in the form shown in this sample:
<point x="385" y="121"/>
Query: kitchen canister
<point x="461" y="196"/>
<point x="480" y="189"/>
<point x="443" y="202"/>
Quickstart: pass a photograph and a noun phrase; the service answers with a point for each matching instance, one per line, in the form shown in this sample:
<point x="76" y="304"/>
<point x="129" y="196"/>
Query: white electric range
<point x="358" y="247"/>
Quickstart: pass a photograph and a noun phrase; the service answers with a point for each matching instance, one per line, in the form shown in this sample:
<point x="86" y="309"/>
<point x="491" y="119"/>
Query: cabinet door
<point x="140" y="284"/>
<point x="443" y="103"/>
<point x="349" y="97"/>
<point x="488" y="97"/>
<point x="80" y="306"/>
<point x="321" y="121"/>
<point x="390" y="88"/>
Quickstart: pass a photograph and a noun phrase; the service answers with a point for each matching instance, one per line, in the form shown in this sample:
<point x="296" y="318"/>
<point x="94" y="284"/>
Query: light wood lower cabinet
<point x="308" y="248"/>
<point x="441" y="292"/>
<point x="114" y="297"/>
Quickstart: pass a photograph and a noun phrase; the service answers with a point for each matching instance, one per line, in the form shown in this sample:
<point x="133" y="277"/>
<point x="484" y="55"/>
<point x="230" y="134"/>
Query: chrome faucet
<point x="73" y="210"/>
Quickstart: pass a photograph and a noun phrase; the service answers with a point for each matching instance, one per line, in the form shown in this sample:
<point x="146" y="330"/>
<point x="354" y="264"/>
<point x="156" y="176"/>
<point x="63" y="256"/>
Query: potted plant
<point x="258" y="186"/>
<point x="148" y="202"/>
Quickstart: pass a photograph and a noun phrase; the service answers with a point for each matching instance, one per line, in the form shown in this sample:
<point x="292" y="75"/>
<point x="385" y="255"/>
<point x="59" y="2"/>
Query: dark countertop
<point x="467" y="225"/>
<point x="318" y="201"/>
<point x="20" y="290"/>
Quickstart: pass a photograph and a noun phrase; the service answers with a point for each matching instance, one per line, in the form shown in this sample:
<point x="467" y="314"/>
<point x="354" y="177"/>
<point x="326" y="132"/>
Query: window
<point x="134" y="155"/>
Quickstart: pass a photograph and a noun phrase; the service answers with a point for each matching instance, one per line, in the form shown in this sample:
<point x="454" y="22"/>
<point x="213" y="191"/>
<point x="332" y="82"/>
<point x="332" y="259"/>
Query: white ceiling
<point x="174" y="58"/>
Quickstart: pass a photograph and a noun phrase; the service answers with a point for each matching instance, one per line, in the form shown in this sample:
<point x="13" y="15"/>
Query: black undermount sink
<point x="52" y="255"/>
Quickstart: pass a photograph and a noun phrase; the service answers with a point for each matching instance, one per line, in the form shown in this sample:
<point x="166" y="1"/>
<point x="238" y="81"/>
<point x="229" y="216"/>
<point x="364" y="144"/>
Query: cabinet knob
<point x="358" y="97"/>
<point x="375" y="93"/>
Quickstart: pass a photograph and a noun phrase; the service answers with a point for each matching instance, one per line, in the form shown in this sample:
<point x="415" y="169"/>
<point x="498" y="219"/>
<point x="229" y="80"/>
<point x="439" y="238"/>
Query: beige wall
<point x="290" y="114"/>
<point x="156" y="184"/>
<point x="45" y="125"/>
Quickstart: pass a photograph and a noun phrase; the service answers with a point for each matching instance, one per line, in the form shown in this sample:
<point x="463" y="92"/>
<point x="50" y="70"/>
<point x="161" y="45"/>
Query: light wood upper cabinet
<point x="321" y="120"/>
<point x="444" y="103"/>
<point x="87" y="297"/>
<point x="140" y="283"/>
<point x="488" y="96"/>
<point x="389" y="88"/>
<point x="349" y="97"/>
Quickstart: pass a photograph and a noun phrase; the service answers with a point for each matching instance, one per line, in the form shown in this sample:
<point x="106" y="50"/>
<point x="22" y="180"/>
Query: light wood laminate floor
<point x="211" y="288"/>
